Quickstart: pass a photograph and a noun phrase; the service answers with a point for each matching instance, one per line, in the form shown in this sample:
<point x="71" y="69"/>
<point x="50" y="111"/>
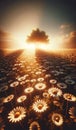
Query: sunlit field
<point x="38" y="89"/>
<point x="37" y="65"/>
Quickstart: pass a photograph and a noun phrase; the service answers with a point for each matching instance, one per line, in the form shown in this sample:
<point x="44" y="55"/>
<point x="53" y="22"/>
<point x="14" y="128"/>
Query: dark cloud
<point x="38" y="36"/>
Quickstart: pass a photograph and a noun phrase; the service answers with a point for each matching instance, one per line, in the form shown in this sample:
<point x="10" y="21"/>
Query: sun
<point x="31" y="46"/>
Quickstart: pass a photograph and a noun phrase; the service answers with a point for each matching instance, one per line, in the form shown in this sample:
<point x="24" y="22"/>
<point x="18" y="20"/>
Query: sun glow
<point x="48" y="47"/>
<point x="54" y="44"/>
<point x="22" y="44"/>
<point x="31" y="46"/>
<point x="20" y="41"/>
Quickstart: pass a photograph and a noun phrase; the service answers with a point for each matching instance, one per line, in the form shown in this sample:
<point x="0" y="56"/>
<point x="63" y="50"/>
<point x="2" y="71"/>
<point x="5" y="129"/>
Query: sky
<point x="55" y="17"/>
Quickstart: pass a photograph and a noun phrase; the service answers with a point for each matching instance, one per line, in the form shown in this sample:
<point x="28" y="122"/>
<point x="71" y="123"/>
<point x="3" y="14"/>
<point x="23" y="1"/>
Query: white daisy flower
<point x="54" y="92"/>
<point x="8" y="98"/>
<point x="40" y="106"/>
<point x="29" y="90"/>
<point x="40" y="86"/>
<point x="14" y="84"/>
<point x="57" y="119"/>
<point x="21" y="98"/>
<point x="34" y="125"/>
<point x="17" y="114"/>
<point x="69" y="97"/>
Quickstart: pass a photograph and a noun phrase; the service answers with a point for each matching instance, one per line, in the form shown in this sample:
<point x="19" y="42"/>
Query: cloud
<point x="3" y="34"/>
<point x="38" y="36"/>
<point x="73" y="34"/>
<point x="5" y="40"/>
<point x="64" y="26"/>
<point x="70" y="41"/>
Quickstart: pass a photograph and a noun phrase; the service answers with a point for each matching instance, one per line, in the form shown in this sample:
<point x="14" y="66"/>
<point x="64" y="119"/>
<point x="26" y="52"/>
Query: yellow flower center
<point x="40" y="106"/>
<point x="17" y="114"/>
<point x="55" y="92"/>
<point x="57" y="118"/>
<point x="69" y="96"/>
